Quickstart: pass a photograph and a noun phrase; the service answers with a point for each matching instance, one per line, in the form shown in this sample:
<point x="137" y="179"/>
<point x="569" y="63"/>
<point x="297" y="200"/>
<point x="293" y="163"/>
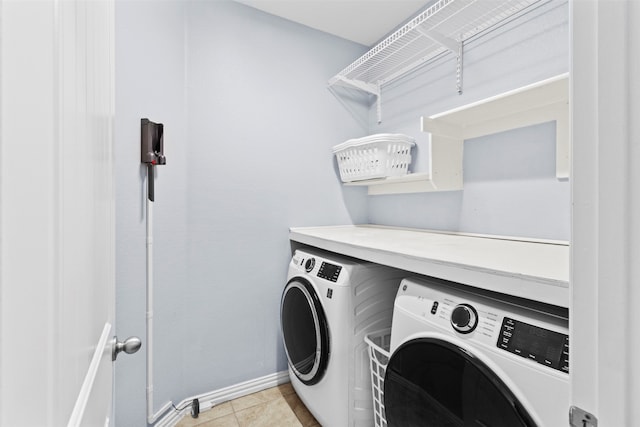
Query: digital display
<point x="546" y="347"/>
<point x="329" y="271"/>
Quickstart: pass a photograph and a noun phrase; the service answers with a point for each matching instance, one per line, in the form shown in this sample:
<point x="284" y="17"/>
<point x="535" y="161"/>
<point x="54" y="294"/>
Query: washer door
<point x="431" y="382"/>
<point x="304" y="330"/>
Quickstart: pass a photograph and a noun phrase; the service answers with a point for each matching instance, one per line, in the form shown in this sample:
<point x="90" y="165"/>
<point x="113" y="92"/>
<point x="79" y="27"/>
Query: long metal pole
<point x="151" y="417"/>
<point x="150" y="295"/>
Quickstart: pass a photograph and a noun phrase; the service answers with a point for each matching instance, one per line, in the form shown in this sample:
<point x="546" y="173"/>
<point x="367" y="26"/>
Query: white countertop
<point x="532" y="269"/>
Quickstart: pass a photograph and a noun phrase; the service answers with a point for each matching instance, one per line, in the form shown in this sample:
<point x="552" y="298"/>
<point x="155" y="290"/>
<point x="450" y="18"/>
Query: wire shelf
<point x="443" y="27"/>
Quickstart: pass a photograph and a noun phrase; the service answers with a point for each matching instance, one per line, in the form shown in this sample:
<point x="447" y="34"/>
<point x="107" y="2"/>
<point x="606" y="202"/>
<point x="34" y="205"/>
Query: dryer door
<point x="304" y="330"/>
<point x="431" y="382"/>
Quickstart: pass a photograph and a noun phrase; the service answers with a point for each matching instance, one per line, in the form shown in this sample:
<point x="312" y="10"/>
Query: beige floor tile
<point x="224" y="421"/>
<point x="293" y="401"/>
<point x="263" y="396"/>
<point x="286" y="389"/>
<point x="270" y="394"/>
<point x="217" y="411"/>
<point x="305" y="417"/>
<point x="275" y="413"/>
<point x="188" y="421"/>
<point x="300" y="410"/>
<point x="248" y="401"/>
<point x="278" y="406"/>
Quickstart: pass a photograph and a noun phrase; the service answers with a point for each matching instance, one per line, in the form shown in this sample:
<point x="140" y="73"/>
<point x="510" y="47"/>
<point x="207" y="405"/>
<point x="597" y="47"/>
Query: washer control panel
<point x="546" y="347"/>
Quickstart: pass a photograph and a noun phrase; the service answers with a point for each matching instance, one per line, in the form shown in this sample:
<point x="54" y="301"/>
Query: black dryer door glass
<point x="304" y="331"/>
<point x="431" y="382"/>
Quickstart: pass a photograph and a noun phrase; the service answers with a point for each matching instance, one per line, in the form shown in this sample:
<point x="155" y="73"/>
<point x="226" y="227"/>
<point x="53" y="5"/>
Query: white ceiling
<point x="362" y="21"/>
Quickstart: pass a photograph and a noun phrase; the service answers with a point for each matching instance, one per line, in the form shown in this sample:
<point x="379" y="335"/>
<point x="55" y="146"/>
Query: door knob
<point x="129" y="346"/>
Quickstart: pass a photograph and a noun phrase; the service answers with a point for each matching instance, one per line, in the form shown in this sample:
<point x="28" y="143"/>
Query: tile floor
<point x="275" y="407"/>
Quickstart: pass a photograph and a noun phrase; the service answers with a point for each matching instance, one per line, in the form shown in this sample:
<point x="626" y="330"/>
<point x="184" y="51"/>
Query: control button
<point x="311" y="262"/>
<point x="464" y="318"/>
<point x="434" y="307"/>
<point x="564" y="359"/>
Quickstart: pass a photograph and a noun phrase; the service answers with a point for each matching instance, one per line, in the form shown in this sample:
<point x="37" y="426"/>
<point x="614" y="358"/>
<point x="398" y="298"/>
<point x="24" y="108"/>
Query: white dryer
<point x="328" y="305"/>
<point x="463" y="359"/>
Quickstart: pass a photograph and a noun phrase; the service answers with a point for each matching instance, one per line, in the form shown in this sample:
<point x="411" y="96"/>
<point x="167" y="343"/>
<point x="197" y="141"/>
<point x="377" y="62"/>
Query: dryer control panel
<point x="329" y="271"/>
<point x="482" y="320"/>
<point x="532" y="342"/>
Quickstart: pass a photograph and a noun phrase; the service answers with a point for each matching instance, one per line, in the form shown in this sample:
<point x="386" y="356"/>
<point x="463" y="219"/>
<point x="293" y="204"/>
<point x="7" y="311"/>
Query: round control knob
<point x="311" y="262"/>
<point x="464" y="318"/>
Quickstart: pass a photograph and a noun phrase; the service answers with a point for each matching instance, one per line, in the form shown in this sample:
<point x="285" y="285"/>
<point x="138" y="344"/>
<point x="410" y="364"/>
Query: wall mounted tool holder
<point x="151" y="149"/>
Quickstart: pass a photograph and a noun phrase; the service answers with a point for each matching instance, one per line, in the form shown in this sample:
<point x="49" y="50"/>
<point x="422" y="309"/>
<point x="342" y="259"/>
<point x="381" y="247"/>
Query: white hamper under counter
<point x="532" y="269"/>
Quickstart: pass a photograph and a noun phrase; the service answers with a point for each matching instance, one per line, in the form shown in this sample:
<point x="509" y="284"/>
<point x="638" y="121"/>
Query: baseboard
<point x="213" y="398"/>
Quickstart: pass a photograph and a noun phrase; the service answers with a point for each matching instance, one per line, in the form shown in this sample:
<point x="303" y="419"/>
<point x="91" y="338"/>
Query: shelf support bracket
<point x="366" y="87"/>
<point x="379" y="104"/>
<point x="369" y="88"/>
<point x="452" y="46"/>
<point x="459" y="68"/>
<point x="444" y="41"/>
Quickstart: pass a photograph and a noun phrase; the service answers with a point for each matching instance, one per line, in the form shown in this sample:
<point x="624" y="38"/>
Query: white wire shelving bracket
<point x="443" y="27"/>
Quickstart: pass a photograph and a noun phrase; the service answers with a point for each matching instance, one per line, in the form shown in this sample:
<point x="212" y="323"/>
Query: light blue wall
<point x="261" y="125"/>
<point x="509" y="178"/>
<point x="249" y="126"/>
<point x="150" y="76"/>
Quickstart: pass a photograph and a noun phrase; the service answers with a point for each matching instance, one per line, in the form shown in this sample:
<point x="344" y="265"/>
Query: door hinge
<point x="581" y="418"/>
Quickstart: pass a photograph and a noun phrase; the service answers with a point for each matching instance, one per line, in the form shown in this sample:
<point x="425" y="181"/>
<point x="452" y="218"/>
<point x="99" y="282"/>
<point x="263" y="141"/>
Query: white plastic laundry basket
<point x="379" y="343"/>
<point x="375" y="156"/>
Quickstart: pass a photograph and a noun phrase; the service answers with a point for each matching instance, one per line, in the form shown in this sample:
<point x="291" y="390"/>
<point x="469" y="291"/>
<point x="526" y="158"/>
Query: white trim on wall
<point x="213" y="398"/>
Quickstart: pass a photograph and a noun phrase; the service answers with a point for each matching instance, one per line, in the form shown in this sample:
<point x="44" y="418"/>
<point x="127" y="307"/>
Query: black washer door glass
<point x="434" y="383"/>
<point x="304" y="331"/>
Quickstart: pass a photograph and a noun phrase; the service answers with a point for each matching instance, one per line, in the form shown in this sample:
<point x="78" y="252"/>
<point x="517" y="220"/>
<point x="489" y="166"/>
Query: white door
<point x="56" y="212"/>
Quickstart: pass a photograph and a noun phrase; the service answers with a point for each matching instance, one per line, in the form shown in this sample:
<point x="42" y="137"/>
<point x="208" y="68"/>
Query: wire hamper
<point x="375" y="156"/>
<point x="378" y="343"/>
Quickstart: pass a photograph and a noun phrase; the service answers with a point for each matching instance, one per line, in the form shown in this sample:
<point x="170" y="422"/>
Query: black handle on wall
<point x="151" y="149"/>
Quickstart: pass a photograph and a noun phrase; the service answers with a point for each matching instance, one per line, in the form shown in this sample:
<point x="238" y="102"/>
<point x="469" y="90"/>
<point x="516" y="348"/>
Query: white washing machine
<point x="464" y="359"/>
<point x="328" y="306"/>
